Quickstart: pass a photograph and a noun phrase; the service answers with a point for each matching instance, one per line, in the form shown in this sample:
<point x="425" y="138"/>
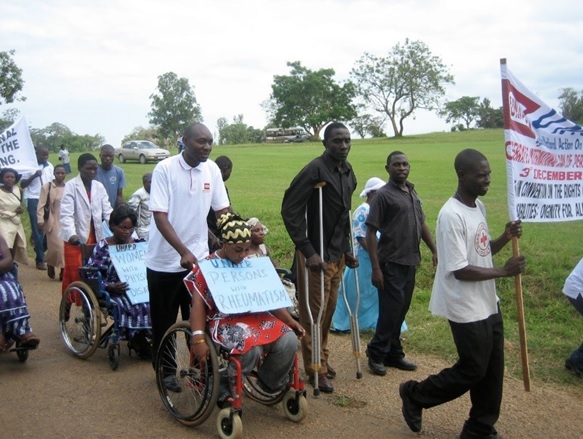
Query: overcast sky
<point x="92" y="65"/>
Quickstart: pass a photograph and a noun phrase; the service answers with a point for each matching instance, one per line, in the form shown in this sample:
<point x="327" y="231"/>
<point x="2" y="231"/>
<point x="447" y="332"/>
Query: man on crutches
<point x="309" y="206"/>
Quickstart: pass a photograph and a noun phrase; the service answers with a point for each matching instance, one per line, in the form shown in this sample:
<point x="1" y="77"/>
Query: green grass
<point x="262" y="173"/>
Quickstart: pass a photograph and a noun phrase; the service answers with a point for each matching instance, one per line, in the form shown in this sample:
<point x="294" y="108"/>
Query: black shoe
<point x="331" y="374"/>
<point x="401" y="364"/>
<point x="573" y="368"/>
<point x="171" y="383"/>
<point x="411" y="411"/>
<point x="377" y="368"/>
<point x="323" y="383"/>
<point x="468" y="435"/>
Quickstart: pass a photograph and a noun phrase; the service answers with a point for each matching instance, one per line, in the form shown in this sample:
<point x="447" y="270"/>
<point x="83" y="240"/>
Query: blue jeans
<point x="37" y="235"/>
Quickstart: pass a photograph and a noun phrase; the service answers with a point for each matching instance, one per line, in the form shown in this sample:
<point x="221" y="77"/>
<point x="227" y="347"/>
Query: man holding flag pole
<point x="464" y="292"/>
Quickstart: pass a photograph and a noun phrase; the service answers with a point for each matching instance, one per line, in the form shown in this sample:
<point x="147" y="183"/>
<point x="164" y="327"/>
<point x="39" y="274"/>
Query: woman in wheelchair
<point x="13" y="311"/>
<point x="134" y="320"/>
<point x="269" y="336"/>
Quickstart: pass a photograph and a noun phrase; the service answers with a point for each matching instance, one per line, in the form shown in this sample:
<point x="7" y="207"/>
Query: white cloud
<point x="93" y="65"/>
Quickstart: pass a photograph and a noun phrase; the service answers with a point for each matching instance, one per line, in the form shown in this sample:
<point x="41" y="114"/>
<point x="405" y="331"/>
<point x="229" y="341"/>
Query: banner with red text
<point x="544" y="157"/>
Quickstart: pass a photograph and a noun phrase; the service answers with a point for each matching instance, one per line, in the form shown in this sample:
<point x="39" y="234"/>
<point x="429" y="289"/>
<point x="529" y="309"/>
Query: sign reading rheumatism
<point x="251" y="286"/>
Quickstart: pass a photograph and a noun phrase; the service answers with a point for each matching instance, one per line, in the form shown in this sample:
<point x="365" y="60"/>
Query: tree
<point x="571" y="105"/>
<point x="11" y="81"/>
<point x="489" y="117"/>
<point x="238" y="132"/>
<point x="8" y="117"/>
<point x="465" y="108"/>
<point x="141" y="133"/>
<point x="407" y="79"/>
<point x="57" y="134"/>
<point x="309" y="99"/>
<point x="368" y="124"/>
<point x="174" y="106"/>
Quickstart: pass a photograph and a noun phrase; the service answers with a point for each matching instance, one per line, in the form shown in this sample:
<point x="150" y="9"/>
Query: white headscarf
<point x="373" y="184"/>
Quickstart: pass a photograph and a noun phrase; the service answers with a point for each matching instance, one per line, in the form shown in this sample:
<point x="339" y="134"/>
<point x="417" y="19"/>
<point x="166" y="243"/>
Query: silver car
<point x="142" y="150"/>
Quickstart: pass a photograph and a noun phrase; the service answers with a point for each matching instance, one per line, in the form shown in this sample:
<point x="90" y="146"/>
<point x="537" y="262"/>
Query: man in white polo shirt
<point x="184" y="188"/>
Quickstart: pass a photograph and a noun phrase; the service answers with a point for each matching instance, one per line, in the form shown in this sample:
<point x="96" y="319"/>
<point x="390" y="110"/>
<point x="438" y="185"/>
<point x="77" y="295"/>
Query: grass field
<point x="261" y="173"/>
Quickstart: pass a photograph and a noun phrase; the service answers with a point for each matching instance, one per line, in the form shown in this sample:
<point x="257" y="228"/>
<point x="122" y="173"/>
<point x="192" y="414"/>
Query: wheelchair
<point x="88" y="318"/>
<point x="195" y="396"/>
<point x="12" y="344"/>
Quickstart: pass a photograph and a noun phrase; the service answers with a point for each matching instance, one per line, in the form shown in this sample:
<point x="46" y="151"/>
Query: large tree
<point x="466" y="108"/>
<point x="489" y="117"/>
<point x="409" y="78"/>
<point x="571" y="105"/>
<point x="174" y="106"/>
<point x="11" y="81"/>
<point x="310" y="99"/>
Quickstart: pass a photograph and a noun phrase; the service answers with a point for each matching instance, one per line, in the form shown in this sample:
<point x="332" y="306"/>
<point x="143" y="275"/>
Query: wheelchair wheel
<point x="80" y="320"/>
<point x="295" y="405"/>
<point x="113" y="355"/>
<point x="188" y="389"/>
<point x="229" y="424"/>
<point x="253" y="391"/>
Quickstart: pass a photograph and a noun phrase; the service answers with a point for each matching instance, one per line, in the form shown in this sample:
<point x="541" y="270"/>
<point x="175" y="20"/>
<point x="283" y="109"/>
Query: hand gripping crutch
<point x="316" y="335"/>
<point x="354" y="327"/>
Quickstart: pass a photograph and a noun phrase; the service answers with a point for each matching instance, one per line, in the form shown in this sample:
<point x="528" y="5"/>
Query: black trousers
<point x="167" y="294"/>
<point x="394" y="302"/>
<point x="479" y="370"/>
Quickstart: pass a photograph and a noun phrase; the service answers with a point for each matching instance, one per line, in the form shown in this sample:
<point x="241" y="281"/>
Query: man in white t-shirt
<point x="184" y="188"/>
<point x="573" y="289"/>
<point x="32" y="184"/>
<point x="64" y="158"/>
<point x="464" y="292"/>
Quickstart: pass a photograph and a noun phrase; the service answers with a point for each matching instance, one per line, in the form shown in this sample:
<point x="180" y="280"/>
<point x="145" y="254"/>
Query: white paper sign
<point x="251" y="286"/>
<point x="16" y="148"/>
<point x="128" y="260"/>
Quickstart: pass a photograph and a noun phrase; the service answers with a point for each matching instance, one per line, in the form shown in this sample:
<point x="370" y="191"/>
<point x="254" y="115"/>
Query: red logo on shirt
<point x="207" y="187"/>
<point x="481" y="240"/>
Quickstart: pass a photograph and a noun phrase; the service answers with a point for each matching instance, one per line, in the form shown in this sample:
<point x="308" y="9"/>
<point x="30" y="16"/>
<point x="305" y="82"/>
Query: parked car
<point x="298" y="138"/>
<point x="142" y="150"/>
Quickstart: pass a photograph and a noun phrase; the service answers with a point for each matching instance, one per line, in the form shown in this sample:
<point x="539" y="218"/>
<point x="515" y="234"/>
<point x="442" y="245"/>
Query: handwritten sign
<point x="128" y="260"/>
<point x="251" y="286"/>
<point x="16" y="148"/>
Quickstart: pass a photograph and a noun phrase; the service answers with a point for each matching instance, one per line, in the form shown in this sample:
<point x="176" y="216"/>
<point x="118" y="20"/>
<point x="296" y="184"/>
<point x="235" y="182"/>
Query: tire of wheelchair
<point x="198" y="383"/>
<point x="80" y="319"/>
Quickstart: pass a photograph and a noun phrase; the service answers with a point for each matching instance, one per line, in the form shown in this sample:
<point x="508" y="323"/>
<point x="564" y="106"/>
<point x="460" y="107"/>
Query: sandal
<point x="28" y="340"/>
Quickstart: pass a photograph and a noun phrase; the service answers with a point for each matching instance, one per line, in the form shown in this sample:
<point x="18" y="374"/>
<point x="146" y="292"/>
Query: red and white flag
<point x="544" y="157"/>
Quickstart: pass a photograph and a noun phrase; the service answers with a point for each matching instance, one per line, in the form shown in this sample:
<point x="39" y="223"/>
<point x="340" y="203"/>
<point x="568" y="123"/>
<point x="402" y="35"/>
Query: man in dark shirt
<point x="301" y="199"/>
<point x="396" y="212"/>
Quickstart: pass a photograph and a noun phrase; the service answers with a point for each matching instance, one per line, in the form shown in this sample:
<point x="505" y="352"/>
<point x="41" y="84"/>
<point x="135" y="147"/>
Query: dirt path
<point x="56" y="395"/>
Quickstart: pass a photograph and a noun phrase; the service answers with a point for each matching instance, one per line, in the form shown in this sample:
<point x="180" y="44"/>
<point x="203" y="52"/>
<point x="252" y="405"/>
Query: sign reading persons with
<point x="16" y="148"/>
<point x="251" y="286"/>
<point x="129" y="262"/>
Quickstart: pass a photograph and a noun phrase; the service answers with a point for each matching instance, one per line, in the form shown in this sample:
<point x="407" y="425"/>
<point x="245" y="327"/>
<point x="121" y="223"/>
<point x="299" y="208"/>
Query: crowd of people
<point x="184" y="213"/>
